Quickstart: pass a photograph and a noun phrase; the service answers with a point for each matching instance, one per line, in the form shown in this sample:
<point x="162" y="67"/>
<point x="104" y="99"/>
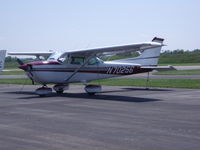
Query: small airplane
<point x="2" y="59"/>
<point x="82" y="66"/>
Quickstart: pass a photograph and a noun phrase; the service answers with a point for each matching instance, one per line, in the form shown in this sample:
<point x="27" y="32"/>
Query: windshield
<point x="54" y="56"/>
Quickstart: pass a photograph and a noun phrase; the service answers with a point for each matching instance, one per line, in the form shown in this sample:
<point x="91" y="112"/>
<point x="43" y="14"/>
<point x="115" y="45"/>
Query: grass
<point x="11" y="65"/>
<point x="165" y="83"/>
<point x="179" y="58"/>
<point x="16" y="81"/>
<point x="179" y="64"/>
<point x="13" y="73"/>
<point x="179" y="72"/>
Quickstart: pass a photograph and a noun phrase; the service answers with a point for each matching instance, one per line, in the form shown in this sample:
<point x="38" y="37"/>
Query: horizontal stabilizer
<point x="160" y="68"/>
<point x="37" y="54"/>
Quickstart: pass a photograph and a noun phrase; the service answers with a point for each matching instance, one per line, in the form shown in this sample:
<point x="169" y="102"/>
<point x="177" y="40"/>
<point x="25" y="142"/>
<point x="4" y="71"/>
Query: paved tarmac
<point x="119" y="118"/>
<point x="136" y="76"/>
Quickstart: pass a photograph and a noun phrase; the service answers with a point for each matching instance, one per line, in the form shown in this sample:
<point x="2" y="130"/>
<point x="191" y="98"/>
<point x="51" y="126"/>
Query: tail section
<point x="148" y="57"/>
<point x="158" y="40"/>
<point x="2" y="59"/>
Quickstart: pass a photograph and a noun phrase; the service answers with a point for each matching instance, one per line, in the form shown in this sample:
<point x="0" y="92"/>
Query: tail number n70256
<point x="120" y="70"/>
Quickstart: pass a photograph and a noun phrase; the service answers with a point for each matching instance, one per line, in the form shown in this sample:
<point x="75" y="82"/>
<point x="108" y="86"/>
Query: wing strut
<point x="80" y="67"/>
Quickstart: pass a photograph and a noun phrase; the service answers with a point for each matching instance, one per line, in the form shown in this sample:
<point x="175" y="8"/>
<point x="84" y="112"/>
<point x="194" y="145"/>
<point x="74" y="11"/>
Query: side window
<point x="93" y="61"/>
<point x="77" y="60"/>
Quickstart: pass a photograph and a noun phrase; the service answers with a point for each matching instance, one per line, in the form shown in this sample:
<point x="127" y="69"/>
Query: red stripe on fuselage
<point x="52" y="62"/>
<point x="135" y="71"/>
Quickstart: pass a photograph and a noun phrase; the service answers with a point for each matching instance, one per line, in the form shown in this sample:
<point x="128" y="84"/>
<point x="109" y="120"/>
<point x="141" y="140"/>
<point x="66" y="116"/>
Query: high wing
<point x="37" y="54"/>
<point x="97" y="51"/>
<point x="115" y="49"/>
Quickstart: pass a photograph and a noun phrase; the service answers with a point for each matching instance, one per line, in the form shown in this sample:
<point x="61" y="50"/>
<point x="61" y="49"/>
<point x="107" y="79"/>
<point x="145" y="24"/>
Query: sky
<point x="61" y="25"/>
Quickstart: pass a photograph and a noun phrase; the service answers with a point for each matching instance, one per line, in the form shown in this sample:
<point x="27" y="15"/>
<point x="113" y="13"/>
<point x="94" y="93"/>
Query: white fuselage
<point x="46" y="72"/>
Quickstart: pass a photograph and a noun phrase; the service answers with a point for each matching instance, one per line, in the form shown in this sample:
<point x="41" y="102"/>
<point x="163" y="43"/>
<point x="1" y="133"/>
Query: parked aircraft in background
<point x="2" y="59"/>
<point x="83" y="66"/>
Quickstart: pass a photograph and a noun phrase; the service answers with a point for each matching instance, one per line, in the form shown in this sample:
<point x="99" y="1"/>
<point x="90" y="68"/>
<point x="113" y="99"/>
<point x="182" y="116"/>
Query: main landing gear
<point x="92" y="89"/>
<point x="45" y="91"/>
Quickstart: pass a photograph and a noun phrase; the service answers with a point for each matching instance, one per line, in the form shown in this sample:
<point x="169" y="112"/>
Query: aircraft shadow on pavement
<point x="147" y="89"/>
<point x="100" y="96"/>
<point x="135" y="89"/>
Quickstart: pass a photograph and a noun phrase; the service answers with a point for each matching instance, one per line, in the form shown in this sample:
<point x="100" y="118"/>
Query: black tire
<point x="91" y="93"/>
<point x="42" y="95"/>
<point x="60" y="92"/>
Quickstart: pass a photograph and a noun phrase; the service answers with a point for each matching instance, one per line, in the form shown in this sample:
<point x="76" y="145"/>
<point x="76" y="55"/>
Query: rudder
<point x="148" y="57"/>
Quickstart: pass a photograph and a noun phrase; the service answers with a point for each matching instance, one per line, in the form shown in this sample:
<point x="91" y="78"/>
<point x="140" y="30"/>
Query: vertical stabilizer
<point x="158" y="40"/>
<point x="2" y="59"/>
<point x="148" y="57"/>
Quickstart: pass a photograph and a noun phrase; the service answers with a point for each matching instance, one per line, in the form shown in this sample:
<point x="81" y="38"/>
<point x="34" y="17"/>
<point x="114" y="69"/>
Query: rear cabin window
<point x="77" y="60"/>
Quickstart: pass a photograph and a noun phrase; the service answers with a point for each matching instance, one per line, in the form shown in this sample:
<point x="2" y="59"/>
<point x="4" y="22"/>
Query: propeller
<point x="20" y="61"/>
<point x="29" y="70"/>
<point x="30" y="75"/>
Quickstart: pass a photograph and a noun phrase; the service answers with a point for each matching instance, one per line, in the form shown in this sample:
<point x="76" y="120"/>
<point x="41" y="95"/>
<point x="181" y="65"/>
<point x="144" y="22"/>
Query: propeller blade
<point x="20" y="61"/>
<point x="31" y="75"/>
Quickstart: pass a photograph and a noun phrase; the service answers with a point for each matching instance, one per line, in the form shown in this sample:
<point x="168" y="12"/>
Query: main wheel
<point x="92" y="89"/>
<point x="42" y="95"/>
<point x="43" y="91"/>
<point x="60" y="91"/>
<point x="91" y="93"/>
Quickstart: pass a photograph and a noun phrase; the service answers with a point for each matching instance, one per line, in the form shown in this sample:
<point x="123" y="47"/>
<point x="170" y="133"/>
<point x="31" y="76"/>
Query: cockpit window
<point x="77" y="60"/>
